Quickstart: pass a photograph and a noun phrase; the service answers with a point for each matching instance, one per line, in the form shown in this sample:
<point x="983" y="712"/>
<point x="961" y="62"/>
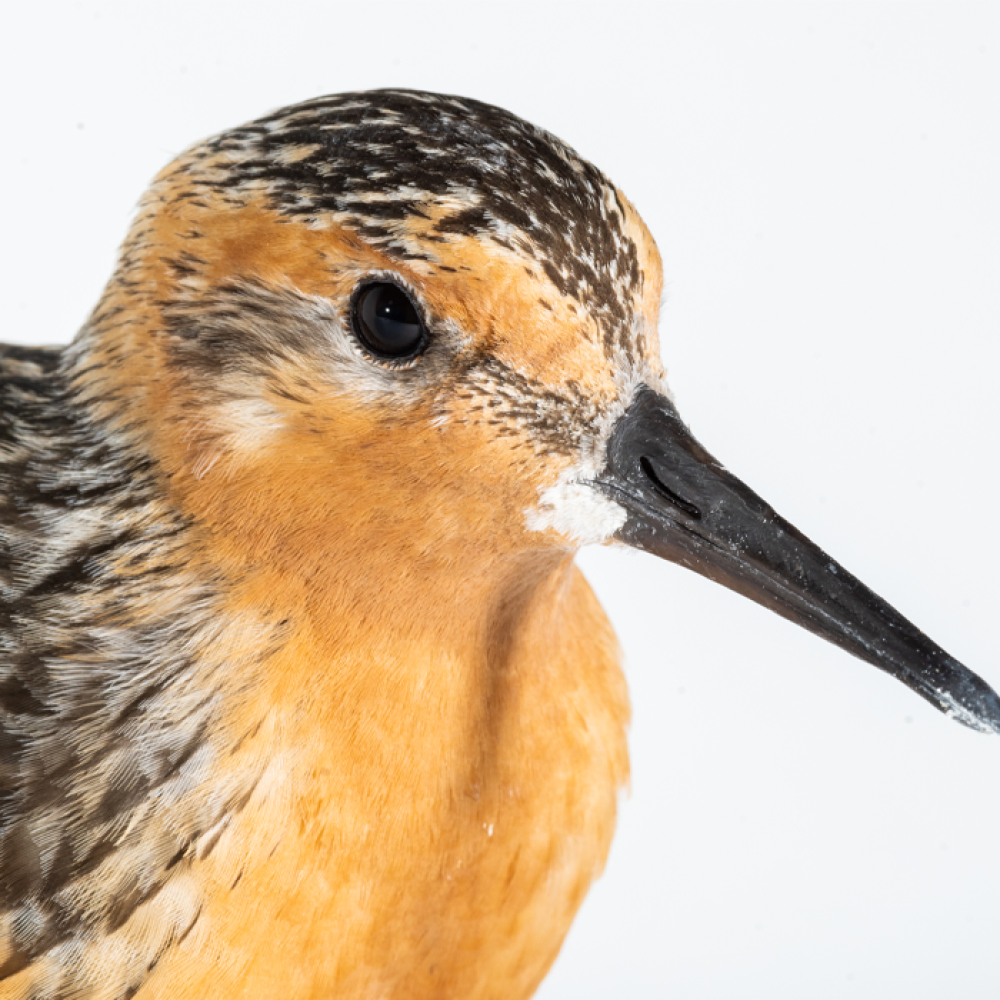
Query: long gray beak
<point x="684" y="506"/>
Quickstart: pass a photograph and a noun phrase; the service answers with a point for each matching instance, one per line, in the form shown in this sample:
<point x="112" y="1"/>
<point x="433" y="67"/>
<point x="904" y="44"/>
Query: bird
<point x="302" y="694"/>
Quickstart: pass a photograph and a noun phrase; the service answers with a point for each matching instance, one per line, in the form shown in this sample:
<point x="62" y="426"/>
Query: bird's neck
<point x="402" y="752"/>
<point x="431" y="662"/>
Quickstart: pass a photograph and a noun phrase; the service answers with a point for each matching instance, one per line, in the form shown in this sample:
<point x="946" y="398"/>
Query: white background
<point x="824" y="185"/>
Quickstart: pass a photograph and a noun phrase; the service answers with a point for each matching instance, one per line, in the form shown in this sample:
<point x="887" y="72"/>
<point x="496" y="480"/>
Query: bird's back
<point x="97" y="718"/>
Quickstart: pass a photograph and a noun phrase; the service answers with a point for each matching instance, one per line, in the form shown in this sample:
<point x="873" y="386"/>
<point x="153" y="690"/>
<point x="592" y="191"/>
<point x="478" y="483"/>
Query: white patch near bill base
<point x="577" y="511"/>
<point x="571" y="507"/>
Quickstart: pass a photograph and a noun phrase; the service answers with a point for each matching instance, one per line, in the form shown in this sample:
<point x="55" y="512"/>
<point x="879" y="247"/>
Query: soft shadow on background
<point x="823" y="184"/>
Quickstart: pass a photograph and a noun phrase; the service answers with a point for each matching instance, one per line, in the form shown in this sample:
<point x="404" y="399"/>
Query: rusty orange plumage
<point x="303" y="694"/>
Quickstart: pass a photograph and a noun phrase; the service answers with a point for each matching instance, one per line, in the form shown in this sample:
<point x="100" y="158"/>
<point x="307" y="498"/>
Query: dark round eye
<point x="386" y="321"/>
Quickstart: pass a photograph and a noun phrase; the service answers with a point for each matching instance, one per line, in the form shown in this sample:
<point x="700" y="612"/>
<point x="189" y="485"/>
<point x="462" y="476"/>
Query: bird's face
<point x="447" y="402"/>
<point x="424" y="366"/>
<point x="417" y="335"/>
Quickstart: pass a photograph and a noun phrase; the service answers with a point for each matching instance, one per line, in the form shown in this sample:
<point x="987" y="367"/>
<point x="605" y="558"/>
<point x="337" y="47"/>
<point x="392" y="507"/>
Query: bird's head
<point x="419" y="330"/>
<point x="398" y="322"/>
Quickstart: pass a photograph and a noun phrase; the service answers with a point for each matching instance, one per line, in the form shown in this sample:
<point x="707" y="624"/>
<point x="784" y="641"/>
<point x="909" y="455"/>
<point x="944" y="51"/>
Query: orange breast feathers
<point x="438" y="808"/>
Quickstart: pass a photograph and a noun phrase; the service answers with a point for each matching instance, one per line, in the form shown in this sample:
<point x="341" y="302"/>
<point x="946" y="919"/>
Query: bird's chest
<point x="438" y="852"/>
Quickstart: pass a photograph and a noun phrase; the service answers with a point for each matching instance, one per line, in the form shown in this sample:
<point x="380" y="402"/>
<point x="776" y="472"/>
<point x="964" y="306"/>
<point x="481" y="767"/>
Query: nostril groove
<point x="665" y="491"/>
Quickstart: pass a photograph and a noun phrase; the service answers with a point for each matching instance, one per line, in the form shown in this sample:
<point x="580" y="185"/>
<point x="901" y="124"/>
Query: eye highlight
<point x="387" y="323"/>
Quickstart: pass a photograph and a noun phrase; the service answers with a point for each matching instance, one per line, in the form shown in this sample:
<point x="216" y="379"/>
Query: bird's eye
<point x="387" y="322"/>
